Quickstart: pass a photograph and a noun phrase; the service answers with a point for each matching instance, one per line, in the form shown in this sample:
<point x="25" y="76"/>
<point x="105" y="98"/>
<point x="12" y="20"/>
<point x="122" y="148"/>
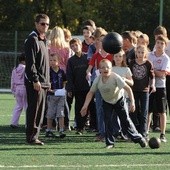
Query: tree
<point x="113" y="15"/>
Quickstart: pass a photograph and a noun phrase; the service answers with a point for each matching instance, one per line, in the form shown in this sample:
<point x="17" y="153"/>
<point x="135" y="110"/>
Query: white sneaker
<point x="163" y="138"/>
<point x="109" y="146"/>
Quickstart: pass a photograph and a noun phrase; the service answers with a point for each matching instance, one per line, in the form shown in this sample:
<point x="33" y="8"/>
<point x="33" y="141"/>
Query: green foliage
<point x="117" y="15"/>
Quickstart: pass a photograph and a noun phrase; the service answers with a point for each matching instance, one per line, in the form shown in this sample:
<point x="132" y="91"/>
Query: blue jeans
<point x="100" y="113"/>
<point x="125" y="121"/>
<point x="141" y="112"/>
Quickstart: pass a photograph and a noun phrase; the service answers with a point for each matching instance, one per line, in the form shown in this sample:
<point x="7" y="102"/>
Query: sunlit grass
<point x="73" y="152"/>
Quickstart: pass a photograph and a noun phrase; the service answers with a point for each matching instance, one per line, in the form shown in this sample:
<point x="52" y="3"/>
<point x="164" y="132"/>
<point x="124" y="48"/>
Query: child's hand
<point x="153" y="89"/>
<point x="83" y="111"/>
<point x="167" y="72"/>
<point x="70" y="94"/>
<point x="88" y="76"/>
<point x="37" y="86"/>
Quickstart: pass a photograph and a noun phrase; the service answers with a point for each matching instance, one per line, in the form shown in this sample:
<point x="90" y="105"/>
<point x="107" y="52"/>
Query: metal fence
<point x="12" y="44"/>
<point x="12" y="41"/>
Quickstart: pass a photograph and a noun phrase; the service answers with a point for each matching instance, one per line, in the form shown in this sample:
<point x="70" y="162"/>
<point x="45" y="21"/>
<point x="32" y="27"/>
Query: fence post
<point x="161" y="12"/>
<point x="16" y="46"/>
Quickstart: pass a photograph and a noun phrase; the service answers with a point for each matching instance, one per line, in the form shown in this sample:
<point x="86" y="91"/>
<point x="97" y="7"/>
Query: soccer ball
<point x="112" y="42"/>
<point x="154" y="143"/>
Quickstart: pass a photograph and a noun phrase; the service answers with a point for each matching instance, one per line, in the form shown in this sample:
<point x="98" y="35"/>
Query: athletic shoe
<point x="100" y="139"/>
<point x="49" y="134"/>
<point x="79" y="132"/>
<point x="73" y="127"/>
<point x="109" y="146"/>
<point x="143" y="143"/>
<point x="163" y="138"/>
<point x="36" y="142"/>
<point x="156" y="129"/>
<point x="62" y="135"/>
<point x="67" y="128"/>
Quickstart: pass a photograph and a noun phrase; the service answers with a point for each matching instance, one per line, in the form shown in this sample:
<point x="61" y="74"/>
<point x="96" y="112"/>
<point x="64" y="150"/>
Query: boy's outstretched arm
<point x="89" y="96"/>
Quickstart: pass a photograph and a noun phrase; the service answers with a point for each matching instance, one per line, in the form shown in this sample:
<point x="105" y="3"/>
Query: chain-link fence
<point x="12" y="44"/>
<point x="12" y="41"/>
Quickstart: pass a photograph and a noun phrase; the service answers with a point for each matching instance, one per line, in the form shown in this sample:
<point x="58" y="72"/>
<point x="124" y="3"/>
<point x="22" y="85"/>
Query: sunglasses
<point x="43" y="24"/>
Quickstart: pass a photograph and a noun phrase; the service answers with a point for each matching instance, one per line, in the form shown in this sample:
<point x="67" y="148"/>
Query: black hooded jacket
<point x="37" y="60"/>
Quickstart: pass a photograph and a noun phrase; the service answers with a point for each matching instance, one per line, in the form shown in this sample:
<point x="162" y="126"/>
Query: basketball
<point x="112" y="42"/>
<point x="154" y="143"/>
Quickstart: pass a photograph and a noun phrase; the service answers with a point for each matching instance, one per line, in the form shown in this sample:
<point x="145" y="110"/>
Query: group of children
<point x="124" y="85"/>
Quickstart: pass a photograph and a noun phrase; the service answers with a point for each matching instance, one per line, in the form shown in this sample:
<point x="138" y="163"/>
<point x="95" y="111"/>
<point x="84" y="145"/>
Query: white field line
<point x="86" y="166"/>
<point x="11" y="115"/>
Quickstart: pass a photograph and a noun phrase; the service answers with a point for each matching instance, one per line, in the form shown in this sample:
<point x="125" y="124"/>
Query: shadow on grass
<point x="92" y="154"/>
<point x="16" y="138"/>
<point x="114" y="153"/>
<point x="9" y="136"/>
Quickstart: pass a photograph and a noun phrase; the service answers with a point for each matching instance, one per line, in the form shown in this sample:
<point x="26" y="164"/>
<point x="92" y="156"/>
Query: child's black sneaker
<point x="62" y="135"/>
<point x="49" y="134"/>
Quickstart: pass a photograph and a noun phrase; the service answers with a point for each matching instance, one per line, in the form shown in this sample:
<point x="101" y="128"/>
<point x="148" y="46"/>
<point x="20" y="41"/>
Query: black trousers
<point x="35" y="111"/>
<point x="80" y="97"/>
<point x="93" y="117"/>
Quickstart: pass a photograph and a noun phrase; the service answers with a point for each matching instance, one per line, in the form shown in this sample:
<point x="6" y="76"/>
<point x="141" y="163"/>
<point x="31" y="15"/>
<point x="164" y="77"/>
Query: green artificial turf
<point x="74" y="151"/>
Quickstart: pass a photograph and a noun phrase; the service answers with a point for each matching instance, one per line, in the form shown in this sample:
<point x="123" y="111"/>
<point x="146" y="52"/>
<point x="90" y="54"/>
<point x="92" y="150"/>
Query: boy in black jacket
<point x="76" y="81"/>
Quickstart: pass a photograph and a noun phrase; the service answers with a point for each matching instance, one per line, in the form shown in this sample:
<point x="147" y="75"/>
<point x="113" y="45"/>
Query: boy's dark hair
<point x="90" y="23"/>
<point x="162" y="38"/>
<point x="128" y="35"/>
<point x="38" y="17"/>
<point x="160" y="30"/>
<point x="88" y="27"/>
<point x="75" y="40"/>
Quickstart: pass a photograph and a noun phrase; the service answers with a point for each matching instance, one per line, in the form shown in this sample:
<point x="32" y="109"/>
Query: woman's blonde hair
<point x="145" y="37"/>
<point x="67" y="34"/>
<point x="58" y="38"/>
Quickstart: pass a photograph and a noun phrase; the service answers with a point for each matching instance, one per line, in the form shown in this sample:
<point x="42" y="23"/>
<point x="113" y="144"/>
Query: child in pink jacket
<point x="19" y="91"/>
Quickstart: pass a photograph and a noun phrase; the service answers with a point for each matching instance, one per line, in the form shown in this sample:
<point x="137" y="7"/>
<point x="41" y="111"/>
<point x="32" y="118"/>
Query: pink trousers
<point x="21" y="104"/>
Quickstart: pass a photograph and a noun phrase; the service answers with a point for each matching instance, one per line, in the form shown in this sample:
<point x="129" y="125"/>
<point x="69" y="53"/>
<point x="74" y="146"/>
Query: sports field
<point x="73" y="152"/>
